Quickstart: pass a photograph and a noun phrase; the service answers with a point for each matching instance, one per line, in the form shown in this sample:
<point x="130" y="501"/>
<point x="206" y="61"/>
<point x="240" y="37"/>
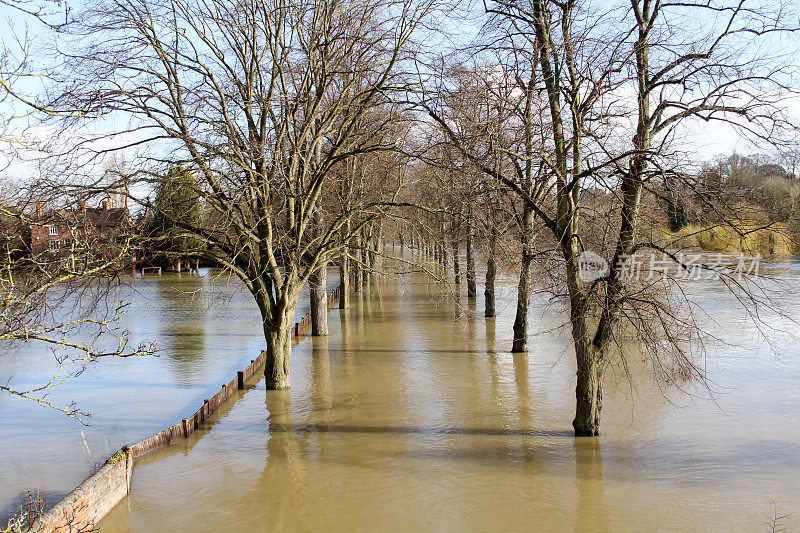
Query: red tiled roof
<point x="98" y="217"/>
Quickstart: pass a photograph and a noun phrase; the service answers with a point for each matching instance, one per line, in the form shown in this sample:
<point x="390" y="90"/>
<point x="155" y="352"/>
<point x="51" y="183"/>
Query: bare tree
<point x="493" y="113"/>
<point x="609" y="100"/>
<point x="261" y="100"/>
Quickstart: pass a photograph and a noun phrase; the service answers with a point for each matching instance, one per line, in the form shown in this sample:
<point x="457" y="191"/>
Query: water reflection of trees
<point x="369" y="401"/>
<point x="590" y="513"/>
<point x="181" y="316"/>
<point x="321" y="394"/>
<point x="281" y="469"/>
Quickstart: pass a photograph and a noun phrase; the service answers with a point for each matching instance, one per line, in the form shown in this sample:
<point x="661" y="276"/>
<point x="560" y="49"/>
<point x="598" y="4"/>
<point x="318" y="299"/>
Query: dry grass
<point x="743" y="237"/>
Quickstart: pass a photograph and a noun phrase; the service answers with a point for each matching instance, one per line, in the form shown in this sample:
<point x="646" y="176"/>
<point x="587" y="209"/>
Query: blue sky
<point x="705" y="140"/>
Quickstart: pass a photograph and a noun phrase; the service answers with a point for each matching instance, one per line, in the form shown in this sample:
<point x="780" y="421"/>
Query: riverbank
<point x="749" y="239"/>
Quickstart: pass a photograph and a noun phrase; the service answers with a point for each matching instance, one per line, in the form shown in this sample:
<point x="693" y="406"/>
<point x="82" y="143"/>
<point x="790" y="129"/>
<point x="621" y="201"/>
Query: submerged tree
<point x="260" y="100"/>
<point x="492" y="112"/>
<point x="678" y="63"/>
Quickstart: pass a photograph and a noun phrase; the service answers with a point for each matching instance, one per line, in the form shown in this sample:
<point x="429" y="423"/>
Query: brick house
<point x="58" y="233"/>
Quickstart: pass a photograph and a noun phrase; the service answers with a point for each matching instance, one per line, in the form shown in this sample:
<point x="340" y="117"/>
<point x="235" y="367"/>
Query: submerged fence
<point x="84" y="507"/>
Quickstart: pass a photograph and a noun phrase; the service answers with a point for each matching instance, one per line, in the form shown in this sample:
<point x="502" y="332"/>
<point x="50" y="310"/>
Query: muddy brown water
<point x="207" y="327"/>
<point x="412" y="415"/>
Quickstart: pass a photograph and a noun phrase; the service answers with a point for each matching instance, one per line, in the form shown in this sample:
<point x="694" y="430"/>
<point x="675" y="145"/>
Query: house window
<point x="53" y="230"/>
<point x="53" y="245"/>
<point x="67" y="243"/>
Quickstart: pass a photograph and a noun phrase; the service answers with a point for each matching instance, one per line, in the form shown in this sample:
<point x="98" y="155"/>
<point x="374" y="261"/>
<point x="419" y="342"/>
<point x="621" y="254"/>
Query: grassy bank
<point x="741" y="238"/>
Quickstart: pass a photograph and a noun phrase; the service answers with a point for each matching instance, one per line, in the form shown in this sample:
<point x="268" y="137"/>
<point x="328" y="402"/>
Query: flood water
<point x="206" y="327"/>
<point x="412" y="415"/>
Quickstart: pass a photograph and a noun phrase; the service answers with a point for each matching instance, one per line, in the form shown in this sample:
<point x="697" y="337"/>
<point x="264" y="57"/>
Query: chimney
<point x="106" y="204"/>
<point x="82" y="205"/>
<point x="39" y="209"/>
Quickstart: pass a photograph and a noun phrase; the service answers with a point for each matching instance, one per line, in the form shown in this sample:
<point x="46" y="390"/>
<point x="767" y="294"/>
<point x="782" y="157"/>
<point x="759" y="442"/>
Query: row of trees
<point x="304" y="129"/>
<point x="577" y="99"/>
<point x="265" y="103"/>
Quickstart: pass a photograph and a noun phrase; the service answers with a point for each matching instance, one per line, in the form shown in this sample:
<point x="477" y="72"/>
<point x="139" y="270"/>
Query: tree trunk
<point x="357" y="265"/>
<point x="472" y="287"/>
<point x="344" y="282"/>
<point x="520" y="343"/>
<point x="370" y="252"/>
<point x="456" y="266"/>
<point x="491" y="272"/>
<point x="178" y="267"/>
<point x="279" y="349"/>
<point x="365" y="262"/>
<point x="377" y="249"/>
<point x="588" y="390"/>
<point x="317" y="285"/>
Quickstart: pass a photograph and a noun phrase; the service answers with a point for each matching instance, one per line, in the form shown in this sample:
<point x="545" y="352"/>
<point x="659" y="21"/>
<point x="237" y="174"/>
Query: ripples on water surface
<point x="408" y="417"/>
